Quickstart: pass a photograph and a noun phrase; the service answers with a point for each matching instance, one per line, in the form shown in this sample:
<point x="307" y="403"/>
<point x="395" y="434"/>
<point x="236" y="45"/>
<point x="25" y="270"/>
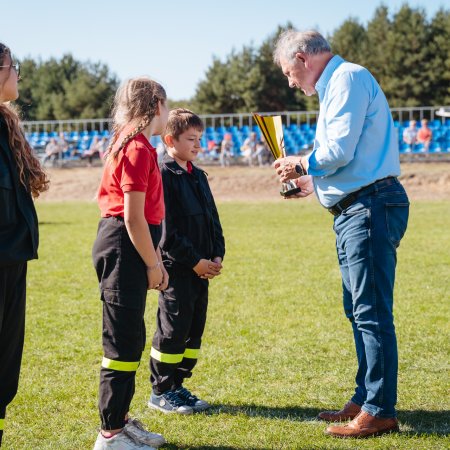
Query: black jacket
<point x="19" y="238"/>
<point x="191" y="229"/>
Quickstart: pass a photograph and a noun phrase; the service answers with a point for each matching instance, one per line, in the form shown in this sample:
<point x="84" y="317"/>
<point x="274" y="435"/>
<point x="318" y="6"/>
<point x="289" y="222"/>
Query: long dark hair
<point x="31" y="174"/>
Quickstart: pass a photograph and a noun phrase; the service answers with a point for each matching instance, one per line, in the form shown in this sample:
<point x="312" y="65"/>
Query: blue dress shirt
<point x="356" y="143"/>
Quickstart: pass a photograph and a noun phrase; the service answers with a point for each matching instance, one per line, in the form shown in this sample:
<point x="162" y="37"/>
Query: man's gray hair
<point x="291" y="42"/>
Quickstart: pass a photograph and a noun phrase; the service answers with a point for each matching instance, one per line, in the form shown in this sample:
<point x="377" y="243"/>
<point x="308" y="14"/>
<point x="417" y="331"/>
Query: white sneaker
<point x="135" y="428"/>
<point x="120" y="441"/>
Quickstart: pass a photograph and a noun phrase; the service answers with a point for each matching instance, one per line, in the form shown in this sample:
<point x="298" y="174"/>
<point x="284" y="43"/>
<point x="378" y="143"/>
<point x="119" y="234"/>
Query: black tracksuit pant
<point x="180" y="323"/>
<point x="123" y="286"/>
<point x="12" y="329"/>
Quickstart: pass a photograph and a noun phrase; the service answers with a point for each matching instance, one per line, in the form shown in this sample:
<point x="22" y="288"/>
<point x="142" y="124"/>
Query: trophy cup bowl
<point x="272" y="129"/>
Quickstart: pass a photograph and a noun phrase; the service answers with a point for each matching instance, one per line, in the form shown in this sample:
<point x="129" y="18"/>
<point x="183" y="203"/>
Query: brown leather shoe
<point x="364" y="425"/>
<point x="349" y="411"/>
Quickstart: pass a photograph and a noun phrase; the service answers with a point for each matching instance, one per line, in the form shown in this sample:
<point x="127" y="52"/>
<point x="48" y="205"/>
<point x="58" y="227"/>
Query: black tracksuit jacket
<point x="191" y="230"/>
<point x="19" y="238"/>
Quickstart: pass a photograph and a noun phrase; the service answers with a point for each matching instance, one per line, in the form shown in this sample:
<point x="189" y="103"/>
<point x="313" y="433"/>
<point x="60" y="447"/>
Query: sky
<point x="172" y="41"/>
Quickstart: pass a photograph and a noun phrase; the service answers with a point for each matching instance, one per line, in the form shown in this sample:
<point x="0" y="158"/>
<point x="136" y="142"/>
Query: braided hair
<point x="136" y="101"/>
<point x="31" y="175"/>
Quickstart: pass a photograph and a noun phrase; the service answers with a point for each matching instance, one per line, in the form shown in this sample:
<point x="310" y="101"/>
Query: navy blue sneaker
<point x="191" y="400"/>
<point x="169" y="402"/>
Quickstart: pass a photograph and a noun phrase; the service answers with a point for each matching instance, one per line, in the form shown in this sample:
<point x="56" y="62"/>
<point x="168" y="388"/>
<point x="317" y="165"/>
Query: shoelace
<point x="185" y="394"/>
<point x="173" y="399"/>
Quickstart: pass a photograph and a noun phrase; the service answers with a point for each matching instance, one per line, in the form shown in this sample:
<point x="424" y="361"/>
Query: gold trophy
<point x="272" y="129"/>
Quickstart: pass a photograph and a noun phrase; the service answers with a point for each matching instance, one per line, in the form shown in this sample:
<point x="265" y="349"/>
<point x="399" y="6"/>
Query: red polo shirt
<point x="135" y="169"/>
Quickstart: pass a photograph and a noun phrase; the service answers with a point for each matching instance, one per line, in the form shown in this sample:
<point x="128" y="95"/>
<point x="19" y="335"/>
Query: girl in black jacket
<point x="21" y="178"/>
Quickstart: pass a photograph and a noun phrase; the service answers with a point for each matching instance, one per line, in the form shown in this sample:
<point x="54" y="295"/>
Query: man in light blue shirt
<point x="353" y="170"/>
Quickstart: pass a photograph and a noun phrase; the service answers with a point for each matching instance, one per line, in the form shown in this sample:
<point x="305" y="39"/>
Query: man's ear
<point x="168" y="140"/>
<point x="302" y="57"/>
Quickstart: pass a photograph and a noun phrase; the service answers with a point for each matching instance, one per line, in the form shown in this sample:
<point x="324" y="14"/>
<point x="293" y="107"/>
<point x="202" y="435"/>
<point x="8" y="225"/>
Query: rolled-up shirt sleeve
<point x="344" y="119"/>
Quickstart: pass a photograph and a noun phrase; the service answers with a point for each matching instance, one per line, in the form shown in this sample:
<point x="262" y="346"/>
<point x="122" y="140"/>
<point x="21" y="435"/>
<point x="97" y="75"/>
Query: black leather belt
<point x="337" y="209"/>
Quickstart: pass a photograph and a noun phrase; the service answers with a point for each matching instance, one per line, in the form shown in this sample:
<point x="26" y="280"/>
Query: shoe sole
<point x="200" y="408"/>
<point x="378" y="433"/>
<point x="155" y="444"/>
<point x="167" y="411"/>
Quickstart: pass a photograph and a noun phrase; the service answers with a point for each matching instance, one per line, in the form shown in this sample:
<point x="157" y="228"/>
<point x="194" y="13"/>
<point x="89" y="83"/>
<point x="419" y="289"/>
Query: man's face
<point x="298" y="73"/>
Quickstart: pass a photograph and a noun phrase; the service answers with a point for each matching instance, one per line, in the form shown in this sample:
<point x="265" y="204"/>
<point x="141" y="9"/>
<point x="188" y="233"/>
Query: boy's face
<point x="187" y="146"/>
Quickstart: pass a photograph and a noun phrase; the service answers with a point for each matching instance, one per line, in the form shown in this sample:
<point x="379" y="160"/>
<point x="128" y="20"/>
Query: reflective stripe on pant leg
<point x="121" y="366"/>
<point x="2" y="424"/>
<point x="191" y="353"/>
<point x="167" y="358"/>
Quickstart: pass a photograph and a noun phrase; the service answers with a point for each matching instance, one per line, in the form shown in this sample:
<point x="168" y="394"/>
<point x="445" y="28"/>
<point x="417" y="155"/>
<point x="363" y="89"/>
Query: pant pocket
<point x="131" y="299"/>
<point x="396" y="220"/>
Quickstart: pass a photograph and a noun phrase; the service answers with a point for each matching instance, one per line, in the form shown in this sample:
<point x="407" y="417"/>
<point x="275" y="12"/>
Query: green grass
<point x="277" y="348"/>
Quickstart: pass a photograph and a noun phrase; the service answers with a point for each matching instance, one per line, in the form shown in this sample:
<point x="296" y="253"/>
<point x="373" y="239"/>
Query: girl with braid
<point x="21" y="179"/>
<point x="126" y="255"/>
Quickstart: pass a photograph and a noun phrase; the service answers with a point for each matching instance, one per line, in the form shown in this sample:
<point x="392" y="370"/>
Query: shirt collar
<point x="324" y="78"/>
<point x="174" y="167"/>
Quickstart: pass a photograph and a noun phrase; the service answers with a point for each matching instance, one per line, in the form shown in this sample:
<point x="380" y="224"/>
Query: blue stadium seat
<point x="419" y="148"/>
<point x="435" y="147"/>
<point x="405" y="148"/>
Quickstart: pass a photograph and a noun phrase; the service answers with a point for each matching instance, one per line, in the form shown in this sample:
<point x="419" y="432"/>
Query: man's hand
<point x="306" y="185"/>
<point x="285" y="167"/>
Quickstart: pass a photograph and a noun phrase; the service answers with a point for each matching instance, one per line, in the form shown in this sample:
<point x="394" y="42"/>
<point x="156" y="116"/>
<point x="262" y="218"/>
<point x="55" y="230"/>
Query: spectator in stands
<point x="97" y="148"/>
<point x="51" y="151"/>
<point x="353" y="170"/>
<point x="212" y="149"/>
<point x="21" y="179"/>
<point x="62" y="144"/>
<point x="410" y="134"/>
<point x="226" y="150"/>
<point x="425" y="135"/>
<point x="248" y="148"/>
<point x="102" y="147"/>
<point x="263" y="154"/>
<point x="126" y="255"/>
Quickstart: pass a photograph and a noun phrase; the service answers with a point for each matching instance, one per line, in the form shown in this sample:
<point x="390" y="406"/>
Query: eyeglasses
<point x="15" y="66"/>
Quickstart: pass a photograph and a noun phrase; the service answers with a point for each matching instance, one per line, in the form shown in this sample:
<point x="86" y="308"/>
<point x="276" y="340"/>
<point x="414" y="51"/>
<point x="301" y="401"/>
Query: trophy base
<point x="289" y="188"/>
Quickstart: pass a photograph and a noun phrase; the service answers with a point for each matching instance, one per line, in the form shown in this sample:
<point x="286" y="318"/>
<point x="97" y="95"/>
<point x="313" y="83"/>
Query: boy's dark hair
<point x="180" y="120"/>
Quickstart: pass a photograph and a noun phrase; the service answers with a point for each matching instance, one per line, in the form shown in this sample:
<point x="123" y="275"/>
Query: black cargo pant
<point x="180" y="323"/>
<point x="123" y="287"/>
<point x="12" y="329"/>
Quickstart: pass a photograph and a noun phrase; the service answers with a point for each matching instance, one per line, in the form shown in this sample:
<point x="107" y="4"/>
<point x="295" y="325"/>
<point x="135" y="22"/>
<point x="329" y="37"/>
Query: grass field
<point x="277" y="349"/>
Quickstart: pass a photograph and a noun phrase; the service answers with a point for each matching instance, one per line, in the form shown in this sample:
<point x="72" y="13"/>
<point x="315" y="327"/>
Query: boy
<point x="192" y="249"/>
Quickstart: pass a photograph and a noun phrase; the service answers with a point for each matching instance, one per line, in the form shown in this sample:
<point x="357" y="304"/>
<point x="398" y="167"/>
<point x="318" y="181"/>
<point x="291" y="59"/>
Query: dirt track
<point x="423" y="181"/>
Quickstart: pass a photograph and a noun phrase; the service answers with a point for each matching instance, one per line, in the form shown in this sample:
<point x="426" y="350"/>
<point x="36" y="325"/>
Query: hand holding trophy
<point x="272" y="130"/>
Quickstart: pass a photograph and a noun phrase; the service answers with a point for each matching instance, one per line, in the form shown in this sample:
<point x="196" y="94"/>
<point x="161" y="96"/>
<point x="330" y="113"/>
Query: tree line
<point x="407" y="53"/>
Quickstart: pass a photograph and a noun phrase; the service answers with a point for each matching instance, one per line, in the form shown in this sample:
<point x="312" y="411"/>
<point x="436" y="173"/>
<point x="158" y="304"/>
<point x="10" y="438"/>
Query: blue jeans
<point x="368" y="233"/>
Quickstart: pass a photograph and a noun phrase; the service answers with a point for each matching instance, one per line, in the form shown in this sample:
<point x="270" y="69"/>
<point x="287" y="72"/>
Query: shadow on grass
<point x="54" y="223"/>
<point x="425" y="423"/>
<point x="295" y="413"/>
<point x="418" y="422"/>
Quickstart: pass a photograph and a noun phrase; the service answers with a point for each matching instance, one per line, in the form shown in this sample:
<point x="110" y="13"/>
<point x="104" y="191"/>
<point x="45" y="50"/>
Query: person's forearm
<point x="140" y="237"/>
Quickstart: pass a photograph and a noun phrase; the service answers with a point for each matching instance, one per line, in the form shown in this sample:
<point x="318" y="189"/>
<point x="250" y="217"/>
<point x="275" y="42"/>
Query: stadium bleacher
<point x="298" y="138"/>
